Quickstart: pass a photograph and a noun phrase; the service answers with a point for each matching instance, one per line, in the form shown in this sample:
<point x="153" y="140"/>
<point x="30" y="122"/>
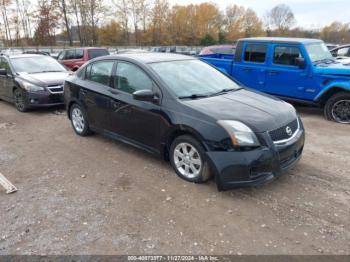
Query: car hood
<point x="45" y="79"/>
<point x="258" y="111"/>
<point x="339" y="68"/>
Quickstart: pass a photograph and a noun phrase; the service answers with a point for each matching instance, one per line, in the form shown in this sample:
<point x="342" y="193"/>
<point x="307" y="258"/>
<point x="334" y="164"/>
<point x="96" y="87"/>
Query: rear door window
<point x="286" y="55"/>
<point x="255" y="53"/>
<point x="100" y="72"/>
<point x="92" y="53"/>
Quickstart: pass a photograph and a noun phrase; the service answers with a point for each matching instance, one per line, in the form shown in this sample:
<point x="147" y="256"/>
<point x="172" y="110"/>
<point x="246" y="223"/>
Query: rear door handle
<point x="247" y="69"/>
<point x="83" y="91"/>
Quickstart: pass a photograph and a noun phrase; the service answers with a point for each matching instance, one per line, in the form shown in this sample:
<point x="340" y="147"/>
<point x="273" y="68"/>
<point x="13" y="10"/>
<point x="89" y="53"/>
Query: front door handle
<point x="83" y="91"/>
<point x="247" y="69"/>
<point x="116" y="105"/>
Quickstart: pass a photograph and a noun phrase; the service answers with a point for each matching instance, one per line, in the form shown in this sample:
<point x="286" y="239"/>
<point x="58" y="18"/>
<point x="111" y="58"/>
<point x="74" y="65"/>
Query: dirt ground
<point x="96" y="196"/>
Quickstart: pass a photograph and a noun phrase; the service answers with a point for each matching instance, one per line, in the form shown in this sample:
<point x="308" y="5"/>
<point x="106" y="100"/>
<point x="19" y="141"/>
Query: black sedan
<point x="30" y="80"/>
<point x="187" y="112"/>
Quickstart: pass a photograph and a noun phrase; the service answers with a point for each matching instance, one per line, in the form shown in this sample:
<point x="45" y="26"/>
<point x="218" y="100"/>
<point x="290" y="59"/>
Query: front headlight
<point x="240" y="134"/>
<point x="31" y="87"/>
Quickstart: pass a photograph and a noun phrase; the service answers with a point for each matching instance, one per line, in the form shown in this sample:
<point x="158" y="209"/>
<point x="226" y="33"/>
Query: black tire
<point x="337" y="108"/>
<point x="85" y="129"/>
<point x="19" y="100"/>
<point x="204" y="173"/>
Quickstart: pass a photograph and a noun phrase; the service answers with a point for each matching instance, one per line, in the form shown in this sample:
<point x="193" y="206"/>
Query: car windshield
<point x="36" y="64"/>
<point x="193" y="78"/>
<point x="318" y="52"/>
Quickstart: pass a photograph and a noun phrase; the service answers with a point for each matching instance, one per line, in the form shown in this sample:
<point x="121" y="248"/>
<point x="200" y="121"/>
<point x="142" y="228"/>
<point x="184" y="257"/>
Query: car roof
<point x="341" y="46"/>
<point x="281" y="40"/>
<point x="150" y="57"/>
<point x="88" y="47"/>
<point x="25" y="55"/>
<point x="220" y="46"/>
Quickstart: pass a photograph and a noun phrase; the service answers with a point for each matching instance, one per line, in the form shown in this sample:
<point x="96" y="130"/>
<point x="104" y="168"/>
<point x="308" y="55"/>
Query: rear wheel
<point x="19" y="99"/>
<point x="188" y="158"/>
<point x="79" y="120"/>
<point x="337" y="108"/>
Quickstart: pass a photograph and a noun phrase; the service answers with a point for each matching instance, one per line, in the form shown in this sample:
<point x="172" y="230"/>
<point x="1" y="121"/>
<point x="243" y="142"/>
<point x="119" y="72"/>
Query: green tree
<point x="222" y="37"/>
<point x="207" y="40"/>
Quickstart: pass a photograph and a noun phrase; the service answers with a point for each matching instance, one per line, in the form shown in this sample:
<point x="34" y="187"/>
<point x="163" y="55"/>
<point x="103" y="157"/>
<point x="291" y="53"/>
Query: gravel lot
<point x="95" y="196"/>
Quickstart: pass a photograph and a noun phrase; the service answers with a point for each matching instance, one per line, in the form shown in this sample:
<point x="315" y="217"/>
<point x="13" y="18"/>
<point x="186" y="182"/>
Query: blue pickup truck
<point x="300" y="70"/>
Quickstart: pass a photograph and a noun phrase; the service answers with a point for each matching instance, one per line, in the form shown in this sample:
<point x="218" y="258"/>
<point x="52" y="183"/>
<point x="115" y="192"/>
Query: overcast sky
<point x="309" y="13"/>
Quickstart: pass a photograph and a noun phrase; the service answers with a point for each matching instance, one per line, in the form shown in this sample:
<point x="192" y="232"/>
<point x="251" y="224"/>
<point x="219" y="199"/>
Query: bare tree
<point x="4" y="4"/>
<point x="75" y="8"/>
<point x="64" y="10"/>
<point x="281" y="18"/>
<point x="123" y="12"/>
<point x="158" y="16"/>
<point x="136" y="10"/>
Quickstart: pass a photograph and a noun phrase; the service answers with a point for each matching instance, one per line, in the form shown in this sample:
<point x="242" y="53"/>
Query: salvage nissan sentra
<point x="187" y="112"/>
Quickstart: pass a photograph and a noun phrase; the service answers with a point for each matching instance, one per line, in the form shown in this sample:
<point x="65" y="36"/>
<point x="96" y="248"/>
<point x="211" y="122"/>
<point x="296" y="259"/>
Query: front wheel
<point x="188" y="158"/>
<point x="19" y="99"/>
<point x="79" y="120"/>
<point x="337" y="108"/>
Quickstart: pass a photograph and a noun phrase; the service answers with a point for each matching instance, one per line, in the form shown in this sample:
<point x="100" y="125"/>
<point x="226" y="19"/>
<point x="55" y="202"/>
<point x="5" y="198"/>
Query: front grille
<point x="287" y="161"/>
<point x="282" y="132"/>
<point x="56" y="98"/>
<point x="56" y="89"/>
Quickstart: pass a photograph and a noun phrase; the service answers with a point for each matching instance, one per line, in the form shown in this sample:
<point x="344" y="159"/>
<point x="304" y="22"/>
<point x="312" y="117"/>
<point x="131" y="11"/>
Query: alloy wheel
<point x="19" y="100"/>
<point x="78" y="120"/>
<point x="341" y="111"/>
<point x="187" y="160"/>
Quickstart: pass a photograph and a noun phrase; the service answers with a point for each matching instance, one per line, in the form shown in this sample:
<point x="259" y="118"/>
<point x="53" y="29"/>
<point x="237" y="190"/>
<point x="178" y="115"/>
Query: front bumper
<point x="252" y="168"/>
<point x="43" y="99"/>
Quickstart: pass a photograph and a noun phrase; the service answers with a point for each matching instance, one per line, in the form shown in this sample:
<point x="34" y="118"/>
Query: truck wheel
<point x="337" y="108"/>
<point x="188" y="158"/>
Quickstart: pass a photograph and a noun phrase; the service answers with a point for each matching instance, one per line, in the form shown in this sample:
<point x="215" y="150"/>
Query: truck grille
<point x="284" y="132"/>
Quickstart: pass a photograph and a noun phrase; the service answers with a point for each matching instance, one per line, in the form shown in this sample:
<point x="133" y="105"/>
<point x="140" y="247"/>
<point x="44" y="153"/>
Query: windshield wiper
<point x="46" y="71"/>
<point x="223" y="91"/>
<point x="325" y="60"/>
<point x="51" y="71"/>
<point x="193" y="96"/>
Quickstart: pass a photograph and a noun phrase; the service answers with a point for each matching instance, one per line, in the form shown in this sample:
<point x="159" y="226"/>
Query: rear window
<point x="255" y="53"/>
<point x="97" y="52"/>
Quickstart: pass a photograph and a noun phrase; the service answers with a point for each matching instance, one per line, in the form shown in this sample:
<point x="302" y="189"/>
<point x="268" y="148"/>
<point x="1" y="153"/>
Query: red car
<point x="218" y="49"/>
<point x="76" y="57"/>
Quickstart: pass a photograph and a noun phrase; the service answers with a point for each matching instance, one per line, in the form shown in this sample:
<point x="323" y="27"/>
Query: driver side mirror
<point x="145" y="95"/>
<point x="3" y="72"/>
<point x="300" y="62"/>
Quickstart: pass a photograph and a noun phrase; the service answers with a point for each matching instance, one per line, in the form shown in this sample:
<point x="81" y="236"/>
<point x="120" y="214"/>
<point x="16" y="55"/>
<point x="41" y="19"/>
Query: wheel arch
<point x="177" y="131"/>
<point x="70" y="104"/>
<point x="322" y="99"/>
